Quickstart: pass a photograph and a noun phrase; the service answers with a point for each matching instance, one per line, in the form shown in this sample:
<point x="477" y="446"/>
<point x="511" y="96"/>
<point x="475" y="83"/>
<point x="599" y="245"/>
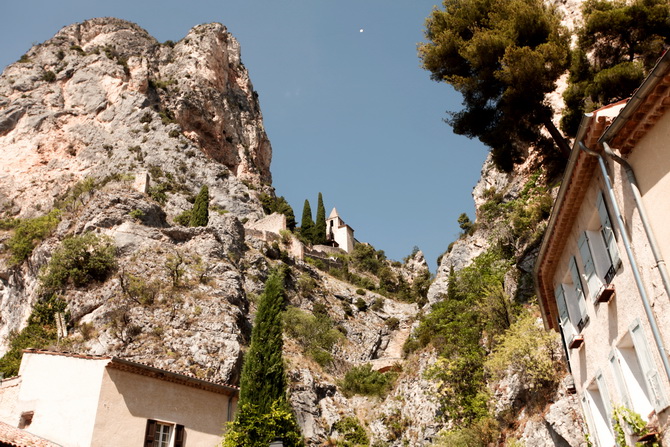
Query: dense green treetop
<point x="264" y="412"/>
<point x="306" y="223"/>
<point x="200" y="212"/>
<point x="503" y="56"/>
<point x="320" y="225"/>
<point x="623" y="41"/>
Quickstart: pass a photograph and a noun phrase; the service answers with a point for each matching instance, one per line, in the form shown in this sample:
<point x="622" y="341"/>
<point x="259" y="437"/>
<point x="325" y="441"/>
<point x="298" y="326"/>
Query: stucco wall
<point x="9" y="396"/>
<point x="273" y="223"/>
<point x="63" y="393"/>
<point x="609" y="323"/>
<point x="651" y="162"/>
<point x="127" y="400"/>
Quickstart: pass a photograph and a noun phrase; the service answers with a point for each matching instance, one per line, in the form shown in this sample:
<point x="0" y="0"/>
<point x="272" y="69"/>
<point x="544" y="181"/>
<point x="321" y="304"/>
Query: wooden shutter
<point x="622" y="389"/>
<point x="150" y="434"/>
<point x="607" y="231"/>
<point x="589" y="419"/>
<point x="579" y="292"/>
<point x="179" y="436"/>
<point x="653" y="378"/>
<point x="563" y="315"/>
<point x="593" y="282"/>
<point x="605" y="396"/>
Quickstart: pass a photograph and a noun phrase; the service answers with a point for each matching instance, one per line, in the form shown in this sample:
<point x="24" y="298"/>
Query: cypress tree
<point x="320" y="226"/>
<point x="307" y="224"/>
<point x="200" y="211"/>
<point x="264" y="412"/>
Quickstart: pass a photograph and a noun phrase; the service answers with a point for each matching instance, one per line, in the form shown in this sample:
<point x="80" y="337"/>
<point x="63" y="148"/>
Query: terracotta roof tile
<point x="15" y="437"/>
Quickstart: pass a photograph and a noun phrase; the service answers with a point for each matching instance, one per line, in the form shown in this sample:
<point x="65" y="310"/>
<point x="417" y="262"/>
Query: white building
<point x="338" y="233"/>
<point x="601" y="276"/>
<point x="84" y="400"/>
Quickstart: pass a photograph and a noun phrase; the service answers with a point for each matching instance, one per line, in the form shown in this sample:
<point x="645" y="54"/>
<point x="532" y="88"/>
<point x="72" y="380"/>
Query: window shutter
<point x="179" y="436"/>
<point x="563" y="315"/>
<point x="605" y="396"/>
<point x="592" y="279"/>
<point x="648" y="366"/>
<point x="150" y="434"/>
<point x="579" y="290"/>
<point x="607" y="232"/>
<point x="618" y="379"/>
<point x="589" y="419"/>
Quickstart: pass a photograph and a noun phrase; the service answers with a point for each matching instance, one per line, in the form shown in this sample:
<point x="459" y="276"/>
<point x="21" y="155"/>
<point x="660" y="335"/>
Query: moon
<point x="361" y="30"/>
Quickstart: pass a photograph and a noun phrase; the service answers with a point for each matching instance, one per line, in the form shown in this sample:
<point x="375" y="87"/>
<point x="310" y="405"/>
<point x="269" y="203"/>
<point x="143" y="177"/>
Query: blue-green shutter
<point x="607" y="231"/>
<point x="648" y="366"/>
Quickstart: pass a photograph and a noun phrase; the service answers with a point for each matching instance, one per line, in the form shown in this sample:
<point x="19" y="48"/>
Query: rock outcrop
<point x="104" y="97"/>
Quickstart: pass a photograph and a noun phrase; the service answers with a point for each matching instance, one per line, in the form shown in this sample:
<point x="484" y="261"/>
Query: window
<point x="571" y="306"/>
<point x="164" y="434"/>
<point x="599" y="252"/>
<point x="637" y="379"/>
<point x="596" y="404"/>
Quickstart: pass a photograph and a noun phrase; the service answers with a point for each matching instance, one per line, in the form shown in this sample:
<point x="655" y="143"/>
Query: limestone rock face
<point x="104" y="97"/>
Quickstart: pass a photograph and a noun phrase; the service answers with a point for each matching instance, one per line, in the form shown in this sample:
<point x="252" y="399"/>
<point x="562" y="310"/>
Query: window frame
<point x="177" y="434"/>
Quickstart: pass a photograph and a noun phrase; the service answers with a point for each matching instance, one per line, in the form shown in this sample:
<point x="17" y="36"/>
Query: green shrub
<point x="366" y="381"/>
<point x="200" y="211"/>
<point x="392" y="323"/>
<point x="252" y="428"/>
<point x="147" y="117"/>
<point x="365" y="258"/>
<point x="28" y="233"/>
<point x="39" y="333"/>
<point x="361" y="305"/>
<point x="183" y="218"/>
<point x="306" y="284"/>
<point x="315" y="333"/>
<point x="137" y="214"/>
<point x="49" y="76"/>
<point x="78" y="261"/>
<point x="528" y="351"/>
<point x="351" y="431"/>
<point x="482" y="433"/>
<point x="377" y="304"/>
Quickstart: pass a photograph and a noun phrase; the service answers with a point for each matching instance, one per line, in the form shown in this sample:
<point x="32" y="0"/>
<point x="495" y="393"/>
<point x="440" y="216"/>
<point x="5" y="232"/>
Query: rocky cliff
<point x="118" y="132"/>
<point x="106" y="132"/>
<point x="104" y="97"/>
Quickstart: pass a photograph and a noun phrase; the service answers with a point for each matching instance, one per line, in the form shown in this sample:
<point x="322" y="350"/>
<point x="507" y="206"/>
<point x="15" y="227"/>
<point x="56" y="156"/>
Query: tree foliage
<point x="28" y="233"/>
<point x="279" y="205"/>
<point x="78" y="261"/>
<point x="307" y="223"/>
<point x="39" y="333"/>
<point x="264" y="411"/>
<point x="618" y="45"/>
<point x="528" y="351"/>
<point x="320" y="225"/>
<point x="200" y="213"/>
<point x="503" y="56"/>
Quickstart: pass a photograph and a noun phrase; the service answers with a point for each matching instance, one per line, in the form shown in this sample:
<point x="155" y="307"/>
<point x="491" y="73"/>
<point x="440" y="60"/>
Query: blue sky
<point x="347" y="107"/>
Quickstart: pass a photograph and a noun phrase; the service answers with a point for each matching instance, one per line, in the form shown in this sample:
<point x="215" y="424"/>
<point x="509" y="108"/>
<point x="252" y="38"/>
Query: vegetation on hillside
<point x="478" y="329"/>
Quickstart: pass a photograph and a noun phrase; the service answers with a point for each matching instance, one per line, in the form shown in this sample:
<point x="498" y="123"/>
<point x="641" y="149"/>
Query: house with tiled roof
<point x="84" y="400"/>
<point x="601" y="275"/>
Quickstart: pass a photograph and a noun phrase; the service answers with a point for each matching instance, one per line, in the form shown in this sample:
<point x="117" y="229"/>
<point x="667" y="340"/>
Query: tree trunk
<point x="557" y="136"/>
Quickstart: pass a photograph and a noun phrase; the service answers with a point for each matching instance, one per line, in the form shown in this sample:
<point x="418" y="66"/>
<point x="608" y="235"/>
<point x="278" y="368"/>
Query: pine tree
<point x="320" y="226"/>
<point x="200" y="212"/>
<point x="264" y="412"/>
<point x="307" y="224"/>
<point x="503" y="56"/>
